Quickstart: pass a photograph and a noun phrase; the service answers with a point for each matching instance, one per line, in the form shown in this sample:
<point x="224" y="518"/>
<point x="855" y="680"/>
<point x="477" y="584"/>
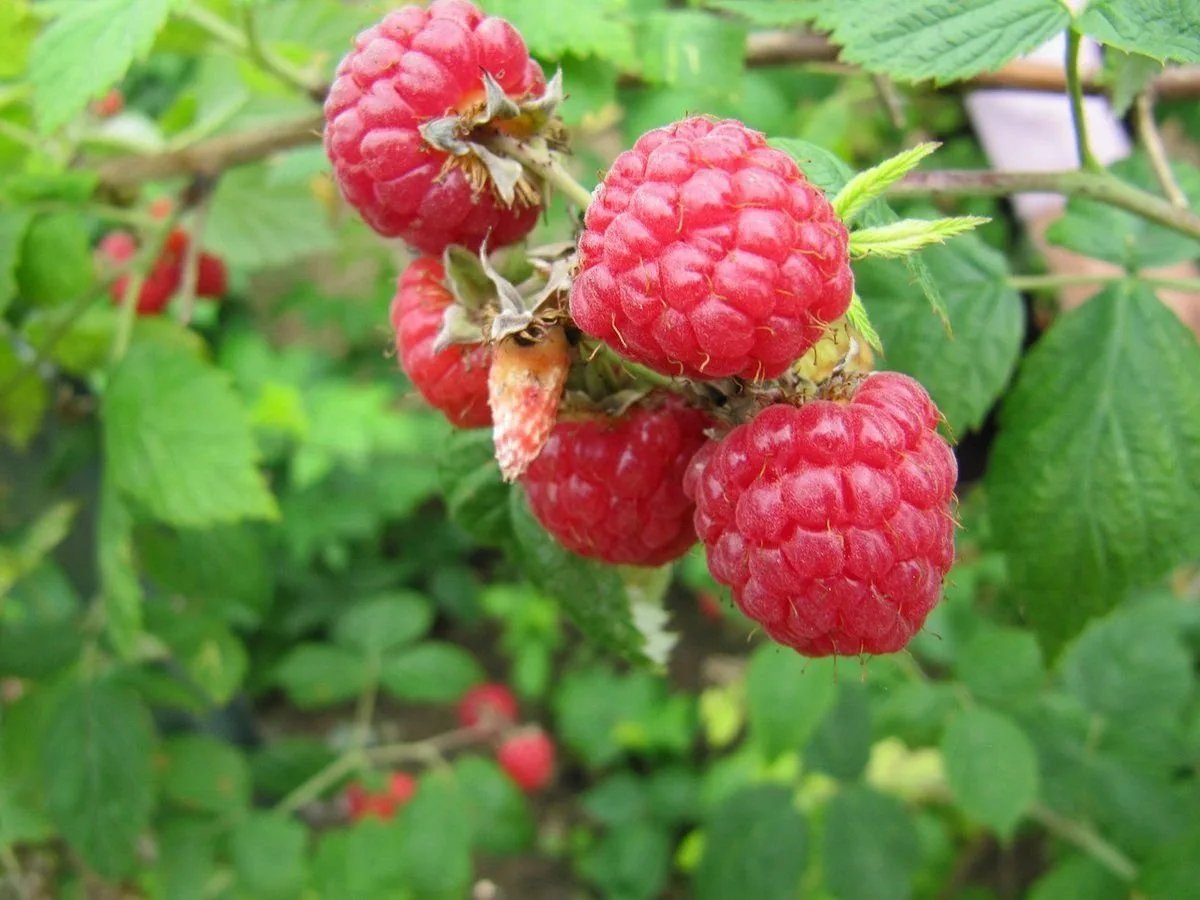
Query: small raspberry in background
<point x="487" y="705"/>
<point x="211" y="278"/>
<point x="611" y="487"/>
<point x="528" y="758"/>
<point x="166" y="276"/>
<point x="707" y="253"/>
<point x="417" y="65"/>
<point x="111" y="104"/>
<point x="454" y="380"/>
<point x="832" y="521"/>
<point x="362" y="803"/>
<point x="161" y="207"/>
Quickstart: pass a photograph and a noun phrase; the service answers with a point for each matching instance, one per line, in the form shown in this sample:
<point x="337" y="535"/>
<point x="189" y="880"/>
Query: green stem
<point x="1156" y="152"/>
<point x="1087" y="840"/>
<point x="1099" y="186"/>
<point x="1079" y="119"/>
<point x="143" y="263"/>
<point x="1054" y="282"/>
<point x="322" y="781"/>
<point x="547" y="167"/>
<point x="599" y="349"/>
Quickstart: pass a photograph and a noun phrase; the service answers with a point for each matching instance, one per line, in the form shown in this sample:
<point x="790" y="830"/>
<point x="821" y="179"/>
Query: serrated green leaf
<point x="601" y="29"/>
<point x="431" y="672"/>
<point x="119" y="584"/>
<point x="871" y="184"/>
<point x="786" y="698"/>
<point x="943" y="41"/>
<point x="317" y="675"/>
<point x="631" y="862"/>
<point x="86" y="50"/>
<point x="909" y="235"/>
<point x="964" y="372"/>
<point x="1003" y="665"/>
<point x="1126" y="75"/>
<point x="186" y="856"/>
<point x="476" y="496"/>
<point x="824" y="169"/>
<point x="870" y="847"/>
<point x="1104" y="232"/>
<point x="360" y="862"/>
<point x="841" y="745"/>
<point x="755" y="845"/>
<point x="434" y="850"/>
<point x="1094" y="483"/>
<point x="204" y="774"/>
<point x="1162" y="29"/>
<point x="254" y="222"/>
<point x="591" y="594"/>
<point x="991" y="767"/>
<point x="501" y="820"/>
<point x="98" y="775"/>
<point x="177" y="440"/>
<point x="379" y="624"/>
<point x="268" y="851"/>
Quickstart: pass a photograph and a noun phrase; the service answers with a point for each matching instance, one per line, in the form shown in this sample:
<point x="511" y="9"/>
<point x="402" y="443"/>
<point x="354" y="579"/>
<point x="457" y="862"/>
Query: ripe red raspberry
<point x="487" y="704"/>
<point x="416" y="65"/>
<point x="211" y="277"/>
<point x="831" y="521"/>
<point x="362" y="803"/>
<point x="528" y="758"/>
<point x="707" y="253"/>
<point x="612" y="488"/>
<point x="454" y="380"/>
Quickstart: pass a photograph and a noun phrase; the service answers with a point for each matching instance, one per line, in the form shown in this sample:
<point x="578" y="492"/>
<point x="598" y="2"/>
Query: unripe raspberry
<point x="454" y="380"/>
<point x="487" y="704"/>
<point x="418" y="64"/>
<point x="707" y="253"/>
<point x="612" y="488"/>
<point x="832" y="521"/>
<point x="528" y="758"/>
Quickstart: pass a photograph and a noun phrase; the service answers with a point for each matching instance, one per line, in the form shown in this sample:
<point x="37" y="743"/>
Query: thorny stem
<point x="1052" y="282"/>
<point x="1079" y="119"/>
<point x="546" y="167"/>
<point x="1087" y="840"/>
<point x="1100" y="186"/>
<point x="1155" y="151"/>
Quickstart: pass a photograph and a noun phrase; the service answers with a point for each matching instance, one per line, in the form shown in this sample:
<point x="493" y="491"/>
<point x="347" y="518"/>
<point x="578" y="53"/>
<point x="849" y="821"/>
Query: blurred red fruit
<point x="528" y="758"/>
<point x="487" y="705"/>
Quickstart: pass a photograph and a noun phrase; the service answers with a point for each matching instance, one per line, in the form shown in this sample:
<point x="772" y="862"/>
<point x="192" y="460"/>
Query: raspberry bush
<point x="592" y="449"/>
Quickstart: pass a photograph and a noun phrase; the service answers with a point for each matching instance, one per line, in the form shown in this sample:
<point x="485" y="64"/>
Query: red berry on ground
<point x="832" y="521"/>
<point x="454" y="380"/>
<point x="418" y="64"/>
<point x="528" y="758"/>
<point x="612" y="488"/>
<point x="707" y="253"/>
<point x="487" y="704"/>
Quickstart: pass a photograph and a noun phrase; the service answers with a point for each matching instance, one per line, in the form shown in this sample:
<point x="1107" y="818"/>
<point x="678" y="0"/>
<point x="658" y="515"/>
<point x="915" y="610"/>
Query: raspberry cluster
<point x="166" y="275"/>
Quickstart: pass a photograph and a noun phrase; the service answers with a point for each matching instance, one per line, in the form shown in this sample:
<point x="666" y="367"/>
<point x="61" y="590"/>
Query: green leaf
<point x="786" y="698"/>
<point x="204" y="774"/>
<point x="991" y="767"/>
<point x="501" y="821"/>
<point x="435" y="843"/>
<point x="39" y="625"/>
<point x="591" y="594"/>
<point x="320" y="675"/>
<point x="871" y="184"/>
<point x="98" y="775"/>
<point x="286" y="763"/>
<point x="601" y="29"/>
<point x="86" y="50"/>
<point x="13" y="226"/>
<point x="691" y="49"/>
<point x="841" y="745"/>
<point x="909" y="235"/>
<point x="475" y="495"/>
<point x="1078" y="877"/>
<point x="1172" y="870"/>
<point x="186" y="857"/>
<point x="268" y="851"/>
<point x="382" y="623"/>
<point x="56" y="261"/>
<point x="1003" y="665"/>
<point x="870" y="846"/>
<point x="824" y="169"/>
<point x="1104" y="232"/>
<point x="1094" y="480"/>
<point x="254" y="222"/>
<point x="119" y="582"/>
<point x="23" y="395"/>
<point x="360" y="862"/>
<point x="943" y="41"/>
<point x="1126" y="75"/>
<point x="431" y="672"/>
<point x="1162" y="29"/>
<point x="964" y="372"/>
<point x="632" y="862"/>
<point x="755" y="845"/>
<point x="765" y="13"/>
<point x="176" y="440"/>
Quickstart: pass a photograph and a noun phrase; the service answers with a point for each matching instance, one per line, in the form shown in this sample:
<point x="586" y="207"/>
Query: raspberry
<point x="707" y="253"/>
<point x="416" y="65"/>
<point x="211" y="278"/>
<point x="528" y="758"/>
<point x="612" y="488"/>
<point x="831" y="521"/>
<point x="110" y="104"/>
<point x="362" y="803"/>
<point x="164" y="279"/>
<point x="487" y="704"/>
<point x="453" y="380"/>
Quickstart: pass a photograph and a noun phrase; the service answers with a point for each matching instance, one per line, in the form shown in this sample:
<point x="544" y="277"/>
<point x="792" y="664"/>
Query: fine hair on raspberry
<point x="832" y="522"/>
<point x="415" y="65"/>
<point x="707" y="253"/>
